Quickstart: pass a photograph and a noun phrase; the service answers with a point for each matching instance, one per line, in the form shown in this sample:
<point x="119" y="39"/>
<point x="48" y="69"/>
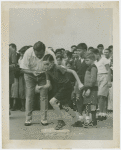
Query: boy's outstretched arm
<point x="80" y="85"/>
<point x="27" y="71"/>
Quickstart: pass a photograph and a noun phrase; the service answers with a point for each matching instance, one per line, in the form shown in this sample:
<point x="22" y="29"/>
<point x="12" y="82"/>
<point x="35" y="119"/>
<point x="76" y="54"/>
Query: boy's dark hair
<point x="58" y="50"/>
<point x="96" y="51"/>
<point x="48" y="57"/>
<point x="23" y="49"/>
<point x="90" y="55"/>
<point x="69" y="62"/>
<point x="69" y="54"/>
<point x="73" y="46"/>
<point x="38" y="46"/>
<point x="67" y="51"/>
<point x="13" y="45"/>
<point x="74" y="50"/>
<point x="90" y="48"/>
<point x="62" y="49"/>
<point x="100" y="45"/>
<point x="82" y="46"/>
<point x="59" y="56"/>
<point x="111" y="46"/>
<point x="108" y="50"/>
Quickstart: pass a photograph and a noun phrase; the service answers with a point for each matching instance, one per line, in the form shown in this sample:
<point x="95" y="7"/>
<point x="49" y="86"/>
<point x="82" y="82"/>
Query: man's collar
<point x="33" y="54"/>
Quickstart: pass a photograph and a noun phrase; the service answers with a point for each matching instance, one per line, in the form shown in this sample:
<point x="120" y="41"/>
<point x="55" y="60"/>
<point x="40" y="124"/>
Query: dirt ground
<point x="18" y="131"/>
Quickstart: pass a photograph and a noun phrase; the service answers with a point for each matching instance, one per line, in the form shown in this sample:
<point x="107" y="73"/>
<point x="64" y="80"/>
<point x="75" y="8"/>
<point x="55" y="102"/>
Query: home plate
<point x="52" y="130"/>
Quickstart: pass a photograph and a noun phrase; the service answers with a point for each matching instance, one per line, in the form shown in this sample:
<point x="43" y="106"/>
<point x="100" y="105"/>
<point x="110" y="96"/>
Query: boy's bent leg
<point x="70" y="112"/>
<point x="79" y="103"/>
<point x="79" y="100"/>
<point x="61" y="123"/>
<point x="30" y="91"/>
<point x="44" y="105"/>
<point x="54" y="103"/>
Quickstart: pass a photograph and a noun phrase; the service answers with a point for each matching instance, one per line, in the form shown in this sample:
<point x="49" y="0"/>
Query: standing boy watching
<point x="100" y="48"/>
<point x="104" y="82"/>
<point x="80" y="67"/>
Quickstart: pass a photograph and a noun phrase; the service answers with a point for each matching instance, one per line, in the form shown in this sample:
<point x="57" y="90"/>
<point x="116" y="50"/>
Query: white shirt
<point x="82" y="59"/>
<point x="31" y="62"/>
<point x="101" y="65"/>
<point x="109" y="60"/>
<point x="20" y="61"/>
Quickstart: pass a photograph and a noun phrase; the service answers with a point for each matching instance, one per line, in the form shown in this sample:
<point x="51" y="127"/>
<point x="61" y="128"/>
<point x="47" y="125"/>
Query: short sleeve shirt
<point x="58" y="73"/>
<point x="91" y="76"/>
<point x="31" y="62"/>
<point x="101" y="65"/>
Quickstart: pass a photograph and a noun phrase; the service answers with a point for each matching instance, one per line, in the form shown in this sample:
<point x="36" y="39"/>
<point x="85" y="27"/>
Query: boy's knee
<point x="53" y="101"/>
<point x="77" y="98"/>
<point x="66" y="108"/>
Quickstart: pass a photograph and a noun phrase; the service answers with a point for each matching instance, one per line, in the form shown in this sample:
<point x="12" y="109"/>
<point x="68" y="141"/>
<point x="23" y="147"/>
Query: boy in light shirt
<point x="104" y="82"/>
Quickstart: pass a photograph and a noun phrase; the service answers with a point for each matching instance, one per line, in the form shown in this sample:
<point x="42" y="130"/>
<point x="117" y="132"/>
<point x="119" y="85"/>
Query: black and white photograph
<point x="61" y="72"/>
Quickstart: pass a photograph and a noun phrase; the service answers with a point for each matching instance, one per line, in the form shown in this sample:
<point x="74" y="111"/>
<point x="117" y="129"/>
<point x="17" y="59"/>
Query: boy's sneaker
<point x="99" y="118"/>
<point x="27" y="123"/>
<point x="104" y="117"/>
<point x="78" y="124"/>
<point x="60" y="125"/>
<point x="86" y="125"/>
<point x="93" y="123"/>
<point x="44" y="122"/>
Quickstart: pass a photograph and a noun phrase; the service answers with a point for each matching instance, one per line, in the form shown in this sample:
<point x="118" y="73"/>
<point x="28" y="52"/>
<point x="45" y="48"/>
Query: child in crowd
<point x="67" y="57"/>
<point x="18" y="88"/>
<point x="69" y="65"/>
<point x="90" y="49"/>
<point x="63" y="52"/>
<point x="104" y="82"/>
<point x="58" y="52"/>
<point x="59" y="59"/>
<point x="80" y="68"/>
<point x="100" y="48"/>
<point x="75" y="55"/>
<point x="90" y="90"/>
<point x="111" y="49"/>
<point x="107" y="53"/>
<point x="110" y="97"/>
<point x="22" y="87"/>
<point x="63" y="88"/>
<point x="73" y="47"/>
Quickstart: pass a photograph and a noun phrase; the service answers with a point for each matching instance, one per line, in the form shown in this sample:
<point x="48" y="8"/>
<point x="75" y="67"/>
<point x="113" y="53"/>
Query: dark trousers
<point x="79" y="100"/>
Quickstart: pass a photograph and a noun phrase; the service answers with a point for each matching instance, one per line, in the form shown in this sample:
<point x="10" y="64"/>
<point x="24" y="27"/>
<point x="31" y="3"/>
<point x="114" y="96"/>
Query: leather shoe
<point x="27" y="123"/>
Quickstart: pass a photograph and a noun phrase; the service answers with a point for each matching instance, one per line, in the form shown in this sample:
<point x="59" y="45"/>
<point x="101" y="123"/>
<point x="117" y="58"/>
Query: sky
<point x="61" y="28"/>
